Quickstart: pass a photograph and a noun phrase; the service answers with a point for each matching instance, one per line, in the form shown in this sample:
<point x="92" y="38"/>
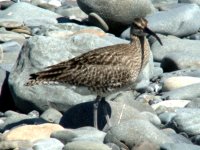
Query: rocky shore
<point x="160" y="113"/>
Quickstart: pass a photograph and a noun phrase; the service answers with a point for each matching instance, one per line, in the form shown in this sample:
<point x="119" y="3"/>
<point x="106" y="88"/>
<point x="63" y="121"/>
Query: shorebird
<point x="103" y="70"/>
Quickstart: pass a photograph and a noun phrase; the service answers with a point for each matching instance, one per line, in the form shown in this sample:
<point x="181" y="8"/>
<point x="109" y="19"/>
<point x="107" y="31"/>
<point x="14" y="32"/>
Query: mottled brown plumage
<point x="104" y="69"/>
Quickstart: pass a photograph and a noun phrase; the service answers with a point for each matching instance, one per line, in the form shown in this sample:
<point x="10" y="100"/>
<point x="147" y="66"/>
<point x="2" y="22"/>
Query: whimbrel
<point x="103" y="70"/>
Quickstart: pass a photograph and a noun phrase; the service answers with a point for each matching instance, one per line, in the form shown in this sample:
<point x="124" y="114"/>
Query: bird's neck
<point x="137" y="40"/>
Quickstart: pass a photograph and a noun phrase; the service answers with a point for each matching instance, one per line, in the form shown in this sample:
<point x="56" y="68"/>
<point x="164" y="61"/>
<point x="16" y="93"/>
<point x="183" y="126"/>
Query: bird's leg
<point x="103" y="101"/>
<point x="95" y="110"/>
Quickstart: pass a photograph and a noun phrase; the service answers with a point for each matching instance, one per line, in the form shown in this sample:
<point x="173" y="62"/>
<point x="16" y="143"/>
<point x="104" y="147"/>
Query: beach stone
<point x="182" y="146"/>
<point x="7" y="36"/>
<point x="110" y="14"/>
<point x="135" y="131"/>
<point x="72" y="13"/>
<point x="194" y="36"/>
<point x="173" y="61"/>
<point x="190" y="1"/>
<point x="174" y="44"/>
<point x="146" y="145"/>
<point x="17" y="144"/>
<point x="23" y="12"/>
<point x="86" y="145"/>
<point x="31" y="132"/>
<point x="187" y="122"/>
<point x="195" y="103"/>
<point x="184" y="93"/>
<point x="178" y="82"/>
<point x="181" y="21"/>
<point x="14" y="119"/>
<point x="1" y="54"/>
<point x="52" y="3"/>
<point x="51" y="115"/>
<point x="171" y="103"/>
<point x="10" y="24"/>
<point x="79" y="134"/>
<point x="167" y="117"/>
<point x="11" y="46"/>
<point x="182" y="72"/>
<point x="48" y="144"/>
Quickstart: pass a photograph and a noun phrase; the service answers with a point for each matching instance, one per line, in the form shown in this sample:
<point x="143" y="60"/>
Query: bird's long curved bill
<point x="147" y="30"/>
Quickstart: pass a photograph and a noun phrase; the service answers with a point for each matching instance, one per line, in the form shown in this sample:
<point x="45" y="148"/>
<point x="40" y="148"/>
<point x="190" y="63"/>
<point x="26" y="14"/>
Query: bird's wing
<point x="101" y="56"/>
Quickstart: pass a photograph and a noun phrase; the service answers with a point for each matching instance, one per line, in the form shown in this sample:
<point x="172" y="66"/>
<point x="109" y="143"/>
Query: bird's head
<point x="139" y="28"/>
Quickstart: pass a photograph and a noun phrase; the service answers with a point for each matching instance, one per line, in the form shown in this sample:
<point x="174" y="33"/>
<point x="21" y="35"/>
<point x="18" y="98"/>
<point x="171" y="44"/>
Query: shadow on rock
<point x="82" y="115"/>
<point x="6" y="100"/>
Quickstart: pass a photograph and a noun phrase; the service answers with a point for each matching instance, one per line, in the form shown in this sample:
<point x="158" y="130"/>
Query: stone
<point x="190" y="1"/>
<point x="187" y="122"/>
<point x="53" y="3"/>
<point x="195" y="103"/>
<point x="79" y="134"/>
<point x="1" y="54"/>
<point x="85" y="145"/>
<point x="147" y="145"/>
<point x="194" y="36"/>
<point x="178" y="82"/>
<point x="48" y="144"/>
<point x="185" y="93"/>
<point x="135" y="131"/>
<point x="72" y="13"/>
<point x="31" y="132"/>
<point x="174" y="44"/>
<point x="11" y="46"/>
<point x="176" y="21"/>
<point x="183" y="72"/>
<point x="23" y="12"/>
<point x="182" y="146"/>
<point x="173" y="61"/>
<point x="51" y="115"/>
<point x="7" y="36"/>
<point x="14" y="119"/>
<point x="17" y="144"/>
<point x="129" y="9"/>
<point x="166" y="117"/>
<point x="171" y="103"/>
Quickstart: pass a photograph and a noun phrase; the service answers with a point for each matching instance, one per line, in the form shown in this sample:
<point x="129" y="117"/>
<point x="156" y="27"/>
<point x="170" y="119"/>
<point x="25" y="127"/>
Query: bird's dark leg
<point x="95" y="109"/>
<point x="105" y="110"/>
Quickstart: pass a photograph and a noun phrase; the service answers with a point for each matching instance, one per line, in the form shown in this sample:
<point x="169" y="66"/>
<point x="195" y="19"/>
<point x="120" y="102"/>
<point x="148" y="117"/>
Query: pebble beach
<point x="160" y="112"/>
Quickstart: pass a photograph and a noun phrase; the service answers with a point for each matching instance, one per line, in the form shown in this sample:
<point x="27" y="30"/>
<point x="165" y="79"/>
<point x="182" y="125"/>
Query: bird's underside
<point x="99" y="70"/>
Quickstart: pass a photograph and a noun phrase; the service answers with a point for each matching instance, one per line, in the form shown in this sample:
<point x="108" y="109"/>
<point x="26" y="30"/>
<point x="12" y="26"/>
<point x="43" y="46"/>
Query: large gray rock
<point x="186" y="93"/>
<point x="180" y="60"/>
<point x="180" y="21"/>
<point x="25" y="12"/>
<point x="173" y="44"/>
<point x="135" y="131"/>
<point x="117" y="13"/>
<point x="188" y="122"/>
<point x="86" y="145"/>
<point x="182" y="146"/>
<point x="189" y="1"/>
